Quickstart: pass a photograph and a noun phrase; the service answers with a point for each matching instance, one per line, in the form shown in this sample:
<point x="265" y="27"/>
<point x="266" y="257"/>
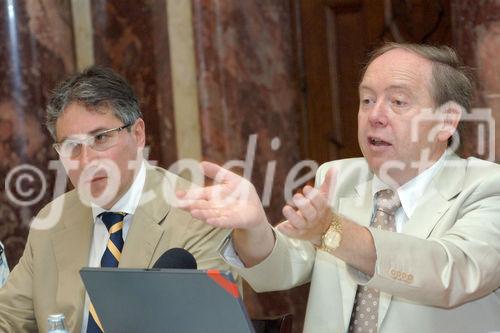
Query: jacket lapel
<point x="358" y="208"/>
<point x="145" y="231"/>
<point x="445" y="185"/>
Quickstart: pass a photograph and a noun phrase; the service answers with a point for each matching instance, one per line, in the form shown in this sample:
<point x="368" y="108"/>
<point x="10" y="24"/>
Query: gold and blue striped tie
<point x="110" y="258"/>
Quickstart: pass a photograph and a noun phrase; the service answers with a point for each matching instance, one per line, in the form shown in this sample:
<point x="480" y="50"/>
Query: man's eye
<point x="398" y="102"/>
<point x="366" y="101"/>
<point x="100" y="138"/>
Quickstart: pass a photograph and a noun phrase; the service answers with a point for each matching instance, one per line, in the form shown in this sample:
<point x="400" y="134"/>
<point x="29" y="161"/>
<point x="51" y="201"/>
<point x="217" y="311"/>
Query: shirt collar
<point x="413" y="190"/>
<point x="130" y="200"/>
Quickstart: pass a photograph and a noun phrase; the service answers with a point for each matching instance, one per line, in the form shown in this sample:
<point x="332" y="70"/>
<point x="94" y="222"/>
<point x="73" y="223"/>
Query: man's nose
<point x="86" y="155"/>
<point x="378" y="114"/>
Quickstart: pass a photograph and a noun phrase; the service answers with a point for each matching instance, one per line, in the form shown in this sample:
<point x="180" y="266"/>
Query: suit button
<point x="393" y="273"/>
<point x="410" y="278"/>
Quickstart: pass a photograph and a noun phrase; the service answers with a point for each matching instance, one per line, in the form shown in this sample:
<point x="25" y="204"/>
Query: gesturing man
<point x="119" y="214"/>
<point x="404" y="239"/>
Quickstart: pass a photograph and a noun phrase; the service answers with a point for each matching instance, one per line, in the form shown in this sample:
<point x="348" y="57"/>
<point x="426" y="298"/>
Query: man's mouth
<point x="374" y="141"/>
<point x="97" y="178"/>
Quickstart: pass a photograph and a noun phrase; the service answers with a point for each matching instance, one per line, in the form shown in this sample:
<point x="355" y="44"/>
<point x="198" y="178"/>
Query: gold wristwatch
<point x="331" y="239"/>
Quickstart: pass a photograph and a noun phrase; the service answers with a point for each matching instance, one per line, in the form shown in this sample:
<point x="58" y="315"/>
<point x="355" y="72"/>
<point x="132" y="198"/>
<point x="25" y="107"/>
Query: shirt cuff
<point x="228" y="253"/>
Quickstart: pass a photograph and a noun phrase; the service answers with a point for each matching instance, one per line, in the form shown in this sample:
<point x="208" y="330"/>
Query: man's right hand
<point x="232" y="202"/>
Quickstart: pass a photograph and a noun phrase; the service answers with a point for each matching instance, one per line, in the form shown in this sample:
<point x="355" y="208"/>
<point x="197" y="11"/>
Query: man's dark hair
<point x="94" y="88"/>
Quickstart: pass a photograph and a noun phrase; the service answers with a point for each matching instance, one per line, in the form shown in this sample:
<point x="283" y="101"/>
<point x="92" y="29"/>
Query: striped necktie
<point x="110" y="258"/>
<point x="364" y="318"/>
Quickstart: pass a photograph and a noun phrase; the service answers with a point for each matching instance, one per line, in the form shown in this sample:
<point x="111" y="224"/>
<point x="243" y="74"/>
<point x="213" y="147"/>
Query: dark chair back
<point x="278" y="324"/>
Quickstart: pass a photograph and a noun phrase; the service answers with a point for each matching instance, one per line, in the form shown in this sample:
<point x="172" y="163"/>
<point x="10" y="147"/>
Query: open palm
<point x="231" y="202"/>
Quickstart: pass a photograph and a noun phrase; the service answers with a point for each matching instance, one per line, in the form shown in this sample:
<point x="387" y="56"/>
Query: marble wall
<point x="36" y="51"/>
<point x="476" y="33"/>
<point x="248" y="86"/>
<point x="132" y="38"/>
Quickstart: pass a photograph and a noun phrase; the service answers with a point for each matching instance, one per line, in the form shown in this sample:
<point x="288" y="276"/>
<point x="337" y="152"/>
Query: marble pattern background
<point x="36" y="52"/>
<point x="132" y="38"/>
<point x="248" y="85"/>
<point x="476" y="34"/>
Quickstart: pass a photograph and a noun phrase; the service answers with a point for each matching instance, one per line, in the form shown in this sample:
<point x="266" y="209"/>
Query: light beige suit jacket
<point x="46" y="279"/>
<point x="441" y="274"/>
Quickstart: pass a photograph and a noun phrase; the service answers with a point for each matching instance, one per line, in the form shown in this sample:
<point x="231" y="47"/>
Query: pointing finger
<point x="328" y="185"/>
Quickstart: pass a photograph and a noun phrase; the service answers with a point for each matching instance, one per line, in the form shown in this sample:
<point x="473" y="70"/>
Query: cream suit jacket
<point x="46" y="280"/>
<point x="441" y="274"/>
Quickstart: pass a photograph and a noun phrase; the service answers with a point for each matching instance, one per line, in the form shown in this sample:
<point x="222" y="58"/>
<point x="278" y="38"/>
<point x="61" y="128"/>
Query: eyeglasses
<point x="99" y="142"/>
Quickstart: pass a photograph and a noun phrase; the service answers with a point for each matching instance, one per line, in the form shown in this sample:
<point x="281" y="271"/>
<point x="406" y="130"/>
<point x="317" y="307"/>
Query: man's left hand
<point x="312" y="215"/>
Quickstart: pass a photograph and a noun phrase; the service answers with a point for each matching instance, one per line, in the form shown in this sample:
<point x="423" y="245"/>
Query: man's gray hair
<point x="451" y="80"/>
<point x="94" y="88"/>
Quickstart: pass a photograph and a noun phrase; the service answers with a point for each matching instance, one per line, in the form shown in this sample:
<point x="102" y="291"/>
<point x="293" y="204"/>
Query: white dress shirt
<point x="127" y="204"/>
<point x="410" y="193"/>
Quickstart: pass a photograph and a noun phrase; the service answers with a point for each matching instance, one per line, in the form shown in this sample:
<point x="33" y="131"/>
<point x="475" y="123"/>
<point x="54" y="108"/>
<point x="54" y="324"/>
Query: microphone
<point x="176" y="258"/>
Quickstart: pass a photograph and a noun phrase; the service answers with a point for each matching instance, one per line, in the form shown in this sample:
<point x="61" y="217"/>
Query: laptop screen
<point x="166" y="300"/>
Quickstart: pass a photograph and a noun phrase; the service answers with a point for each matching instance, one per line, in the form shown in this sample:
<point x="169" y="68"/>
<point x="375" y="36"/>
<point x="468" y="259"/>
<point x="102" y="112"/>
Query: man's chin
<point x="103" y="201"/>
<point x="389" y="170"/>
<point x="98" y="194"/>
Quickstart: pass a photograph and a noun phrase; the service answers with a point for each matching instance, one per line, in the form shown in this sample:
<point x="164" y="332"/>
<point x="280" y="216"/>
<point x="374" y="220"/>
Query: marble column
<point x="132" y="38"/>
<point x="250" y="106"/>
<point x="476" y="34"/>
<point x="36" y="52"/>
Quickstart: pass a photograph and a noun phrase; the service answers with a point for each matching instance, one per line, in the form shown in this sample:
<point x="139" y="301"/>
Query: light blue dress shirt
<point x="4" y="268"/>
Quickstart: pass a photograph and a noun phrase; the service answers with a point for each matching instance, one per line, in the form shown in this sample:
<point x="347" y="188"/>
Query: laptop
<point x="166" y="300"/>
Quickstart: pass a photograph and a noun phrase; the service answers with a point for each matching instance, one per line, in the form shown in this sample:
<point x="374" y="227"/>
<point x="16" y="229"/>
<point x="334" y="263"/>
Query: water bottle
<point x="56" y="324"/>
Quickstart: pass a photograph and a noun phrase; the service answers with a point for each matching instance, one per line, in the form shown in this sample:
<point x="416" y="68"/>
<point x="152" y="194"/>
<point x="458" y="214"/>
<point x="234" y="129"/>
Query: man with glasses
<point x="119" y="213"/>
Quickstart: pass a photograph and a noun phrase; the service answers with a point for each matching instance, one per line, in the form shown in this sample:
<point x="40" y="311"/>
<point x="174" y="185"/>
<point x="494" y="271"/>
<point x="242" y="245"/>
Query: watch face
<point x="332" y="239"/>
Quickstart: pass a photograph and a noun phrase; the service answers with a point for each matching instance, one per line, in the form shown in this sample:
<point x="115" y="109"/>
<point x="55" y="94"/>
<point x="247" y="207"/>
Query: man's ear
<point x="139" y="132"/>
<point x="451" y="113"/>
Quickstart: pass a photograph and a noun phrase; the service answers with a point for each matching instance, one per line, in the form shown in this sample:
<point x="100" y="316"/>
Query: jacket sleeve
<point x="202" y="241"/>
<point x="16" y="297"/>
<point x="289" y="265"/>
